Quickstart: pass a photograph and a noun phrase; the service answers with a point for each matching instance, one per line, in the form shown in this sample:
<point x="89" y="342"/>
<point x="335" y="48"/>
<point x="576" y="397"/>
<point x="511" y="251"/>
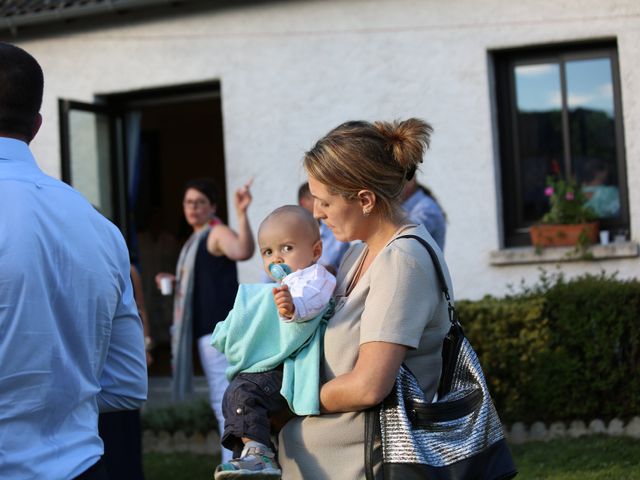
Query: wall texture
<point x="290" y="71"/>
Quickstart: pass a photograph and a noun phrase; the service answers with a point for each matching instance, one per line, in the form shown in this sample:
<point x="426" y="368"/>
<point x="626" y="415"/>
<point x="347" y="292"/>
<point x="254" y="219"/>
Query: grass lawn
<point x="178" y="466"/>
<point x="591" y="458"/>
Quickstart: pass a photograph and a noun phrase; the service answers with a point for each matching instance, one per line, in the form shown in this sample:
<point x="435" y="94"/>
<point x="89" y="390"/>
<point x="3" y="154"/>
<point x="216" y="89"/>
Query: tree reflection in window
<point x="558" y="114"/>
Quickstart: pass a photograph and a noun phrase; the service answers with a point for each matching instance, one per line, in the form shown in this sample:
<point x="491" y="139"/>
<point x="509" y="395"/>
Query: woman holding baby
<point x="389" y="306"/>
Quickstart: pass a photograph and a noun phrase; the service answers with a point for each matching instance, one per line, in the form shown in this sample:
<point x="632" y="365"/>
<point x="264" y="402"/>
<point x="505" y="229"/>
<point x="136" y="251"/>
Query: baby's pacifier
<point x="279" y="270"/>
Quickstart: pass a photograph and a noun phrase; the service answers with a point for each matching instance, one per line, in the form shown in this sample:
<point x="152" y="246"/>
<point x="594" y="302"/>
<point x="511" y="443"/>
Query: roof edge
<point x="61" y="14"/>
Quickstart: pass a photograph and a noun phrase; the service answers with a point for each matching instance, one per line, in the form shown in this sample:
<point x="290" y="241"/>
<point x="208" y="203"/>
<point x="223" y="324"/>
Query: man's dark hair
<point x="21" y="85"/>
<point x="304" y="191"/>
<point x="205" y="186"/>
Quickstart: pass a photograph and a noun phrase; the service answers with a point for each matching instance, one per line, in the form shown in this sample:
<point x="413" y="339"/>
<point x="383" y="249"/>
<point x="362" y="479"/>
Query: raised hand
<point x="243" y="197"/>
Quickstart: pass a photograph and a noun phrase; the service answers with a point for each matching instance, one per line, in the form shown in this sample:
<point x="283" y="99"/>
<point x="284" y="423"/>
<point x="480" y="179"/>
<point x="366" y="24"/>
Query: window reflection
<point x="539" y="129"/>
<point x="589" y="85"/>
<point x="603" y="194"/>
<point x="538" y="87"/>
<point x="90" y="158"/>
<point x="592" y="132"/>
<point x="559" y="112"/>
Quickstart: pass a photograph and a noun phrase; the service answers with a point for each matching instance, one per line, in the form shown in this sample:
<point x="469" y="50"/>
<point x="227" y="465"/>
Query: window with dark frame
<point x="559" y="112"/>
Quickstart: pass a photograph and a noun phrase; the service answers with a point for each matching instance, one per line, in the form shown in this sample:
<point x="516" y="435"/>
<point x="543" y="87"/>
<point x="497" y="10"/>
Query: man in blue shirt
<point x="71" y="341"/>
<point x="421" y="207"/>
<point x="332" y="250"/>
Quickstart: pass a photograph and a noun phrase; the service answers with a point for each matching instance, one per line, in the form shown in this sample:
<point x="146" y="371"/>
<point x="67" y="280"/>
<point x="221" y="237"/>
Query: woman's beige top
<point x="397" y="300"/>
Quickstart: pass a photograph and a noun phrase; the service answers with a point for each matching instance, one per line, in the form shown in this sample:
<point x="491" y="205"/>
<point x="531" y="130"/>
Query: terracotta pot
<point x="562" y="235"/>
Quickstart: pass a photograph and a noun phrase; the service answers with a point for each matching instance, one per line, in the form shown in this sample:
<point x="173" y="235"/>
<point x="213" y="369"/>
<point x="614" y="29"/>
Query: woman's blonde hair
<point x="379" y="157"/>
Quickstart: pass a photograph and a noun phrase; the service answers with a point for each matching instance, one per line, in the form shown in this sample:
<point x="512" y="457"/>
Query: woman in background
<point x="206" y="283"/>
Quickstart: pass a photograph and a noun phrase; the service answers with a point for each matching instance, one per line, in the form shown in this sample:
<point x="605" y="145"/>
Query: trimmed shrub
<point x="561" y="350"/>
<point x="557" y="351"/>
<point x="189" y="417"/>
<point x="507" y="335"/>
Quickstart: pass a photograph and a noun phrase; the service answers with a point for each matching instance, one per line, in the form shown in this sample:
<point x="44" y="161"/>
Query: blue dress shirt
<point x="332" y="249"/>
<point x="422" y="209"/>
<point x="71" y="341"/>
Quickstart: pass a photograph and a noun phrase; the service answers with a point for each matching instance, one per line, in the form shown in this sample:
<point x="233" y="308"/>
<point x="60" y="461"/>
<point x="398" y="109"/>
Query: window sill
<point x="528" y="255"/>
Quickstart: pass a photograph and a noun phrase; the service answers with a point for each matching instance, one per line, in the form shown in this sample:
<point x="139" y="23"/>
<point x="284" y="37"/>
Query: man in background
<point x="332" y="249"/>
<point x="421" y="207"/>
<point x="71" y="341"/>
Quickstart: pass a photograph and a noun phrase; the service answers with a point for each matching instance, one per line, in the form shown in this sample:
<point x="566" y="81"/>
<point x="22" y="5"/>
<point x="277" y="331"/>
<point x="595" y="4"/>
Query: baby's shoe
<point x="257" y="461"/>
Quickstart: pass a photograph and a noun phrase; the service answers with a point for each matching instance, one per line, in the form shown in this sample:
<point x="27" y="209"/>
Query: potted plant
<point x="569" y="221"/>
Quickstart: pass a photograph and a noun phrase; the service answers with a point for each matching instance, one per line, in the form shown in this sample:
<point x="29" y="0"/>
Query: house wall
<point x="290" y="71"/>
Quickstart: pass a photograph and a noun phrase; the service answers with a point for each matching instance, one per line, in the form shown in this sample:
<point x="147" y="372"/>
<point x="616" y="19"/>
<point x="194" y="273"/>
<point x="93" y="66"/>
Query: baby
<point x="272" y="340"/>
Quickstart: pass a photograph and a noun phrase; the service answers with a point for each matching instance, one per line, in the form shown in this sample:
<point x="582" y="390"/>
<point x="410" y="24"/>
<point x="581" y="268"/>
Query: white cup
<point x="604" y="237"/>
<point x="166" y="286"/>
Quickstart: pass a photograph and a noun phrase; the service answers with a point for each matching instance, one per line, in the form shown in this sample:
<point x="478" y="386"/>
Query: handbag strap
<point x="453" y="340"/>
<point x="371" y="433"/>
<point x="372" y="415"/>
<point x="453" y="314"/>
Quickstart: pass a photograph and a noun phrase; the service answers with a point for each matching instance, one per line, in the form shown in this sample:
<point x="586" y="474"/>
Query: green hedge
<point x="561" y="350"/>
<point x="189" y="417"/>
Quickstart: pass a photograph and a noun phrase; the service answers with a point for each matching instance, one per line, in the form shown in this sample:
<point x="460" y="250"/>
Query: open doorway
<point x="144" y="145"/>
<point x="179" y="140"/>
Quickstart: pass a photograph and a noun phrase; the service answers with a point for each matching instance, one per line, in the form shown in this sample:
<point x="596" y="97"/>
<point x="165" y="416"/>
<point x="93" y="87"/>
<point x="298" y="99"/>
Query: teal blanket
<point x="254" y="339"/>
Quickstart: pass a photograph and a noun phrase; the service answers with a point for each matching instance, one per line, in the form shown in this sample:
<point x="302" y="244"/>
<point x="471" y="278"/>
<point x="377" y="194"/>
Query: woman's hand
<point x="284" y="301"/>
<point x="223" y="240"/>
<point x="243" y="198"/>
<point x="370" y="381"/>
<point x="161" y="275"/>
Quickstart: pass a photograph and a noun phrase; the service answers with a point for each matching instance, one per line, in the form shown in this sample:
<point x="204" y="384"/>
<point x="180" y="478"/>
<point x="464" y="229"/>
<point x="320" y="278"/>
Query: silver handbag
<point x="459" y="436"/>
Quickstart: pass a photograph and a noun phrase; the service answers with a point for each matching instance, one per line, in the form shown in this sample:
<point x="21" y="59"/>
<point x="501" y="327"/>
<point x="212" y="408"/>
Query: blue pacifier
<point x="279" y="270"/>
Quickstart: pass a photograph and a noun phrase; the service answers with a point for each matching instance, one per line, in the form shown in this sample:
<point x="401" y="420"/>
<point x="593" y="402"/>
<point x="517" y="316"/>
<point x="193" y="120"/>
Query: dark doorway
<point x="159" y="138"/>
<point x="178" y="141"/>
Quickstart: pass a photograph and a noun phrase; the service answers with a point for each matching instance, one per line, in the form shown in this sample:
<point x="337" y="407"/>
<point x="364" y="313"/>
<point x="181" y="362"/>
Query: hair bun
<point x="407" y="141"/>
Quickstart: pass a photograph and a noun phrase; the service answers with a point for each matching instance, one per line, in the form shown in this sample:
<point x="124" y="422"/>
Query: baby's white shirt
<point x="311" y="289"/>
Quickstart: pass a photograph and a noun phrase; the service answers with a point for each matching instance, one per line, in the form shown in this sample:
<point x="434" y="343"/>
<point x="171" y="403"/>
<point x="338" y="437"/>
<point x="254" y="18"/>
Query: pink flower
<point x="548" y="191"/>
<point x="569" y="196"/>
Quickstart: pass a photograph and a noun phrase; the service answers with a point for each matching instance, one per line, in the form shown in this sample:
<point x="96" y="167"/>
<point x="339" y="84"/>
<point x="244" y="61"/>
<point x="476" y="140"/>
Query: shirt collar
<point x="13" y="149"/>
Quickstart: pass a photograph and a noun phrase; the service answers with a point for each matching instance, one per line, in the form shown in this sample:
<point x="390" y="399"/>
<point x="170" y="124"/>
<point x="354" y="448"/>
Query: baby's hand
<point x="284" y="302"/>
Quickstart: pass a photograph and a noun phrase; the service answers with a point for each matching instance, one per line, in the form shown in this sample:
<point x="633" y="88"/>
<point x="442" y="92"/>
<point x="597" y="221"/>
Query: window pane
<point x="539" y="133"/>
<point x="592" y="132"/>
<point x="90" y="161"/>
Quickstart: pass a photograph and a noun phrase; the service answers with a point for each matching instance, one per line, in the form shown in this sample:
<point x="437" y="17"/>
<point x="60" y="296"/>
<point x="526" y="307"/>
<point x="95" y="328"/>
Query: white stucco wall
<point x="291" y="71"/>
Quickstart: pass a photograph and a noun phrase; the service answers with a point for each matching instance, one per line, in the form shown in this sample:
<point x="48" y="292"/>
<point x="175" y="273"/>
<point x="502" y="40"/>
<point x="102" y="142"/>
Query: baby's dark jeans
<point x="247" y="404"/>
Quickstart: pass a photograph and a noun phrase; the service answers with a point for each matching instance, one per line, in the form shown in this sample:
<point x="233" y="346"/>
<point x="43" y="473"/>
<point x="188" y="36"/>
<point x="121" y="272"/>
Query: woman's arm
<point x="223" y="240"/>
<point x="403" y="297"/>
<point x="370" y="381"/>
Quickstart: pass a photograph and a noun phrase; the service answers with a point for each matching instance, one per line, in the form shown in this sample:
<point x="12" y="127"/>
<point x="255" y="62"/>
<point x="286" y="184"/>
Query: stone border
<point x="538" y="431"/>
<point x="164" y="442"/>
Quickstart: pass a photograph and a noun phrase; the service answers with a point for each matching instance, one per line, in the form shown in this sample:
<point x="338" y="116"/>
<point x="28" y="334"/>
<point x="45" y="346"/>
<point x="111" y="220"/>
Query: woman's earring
<point x="366" y="213"/>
